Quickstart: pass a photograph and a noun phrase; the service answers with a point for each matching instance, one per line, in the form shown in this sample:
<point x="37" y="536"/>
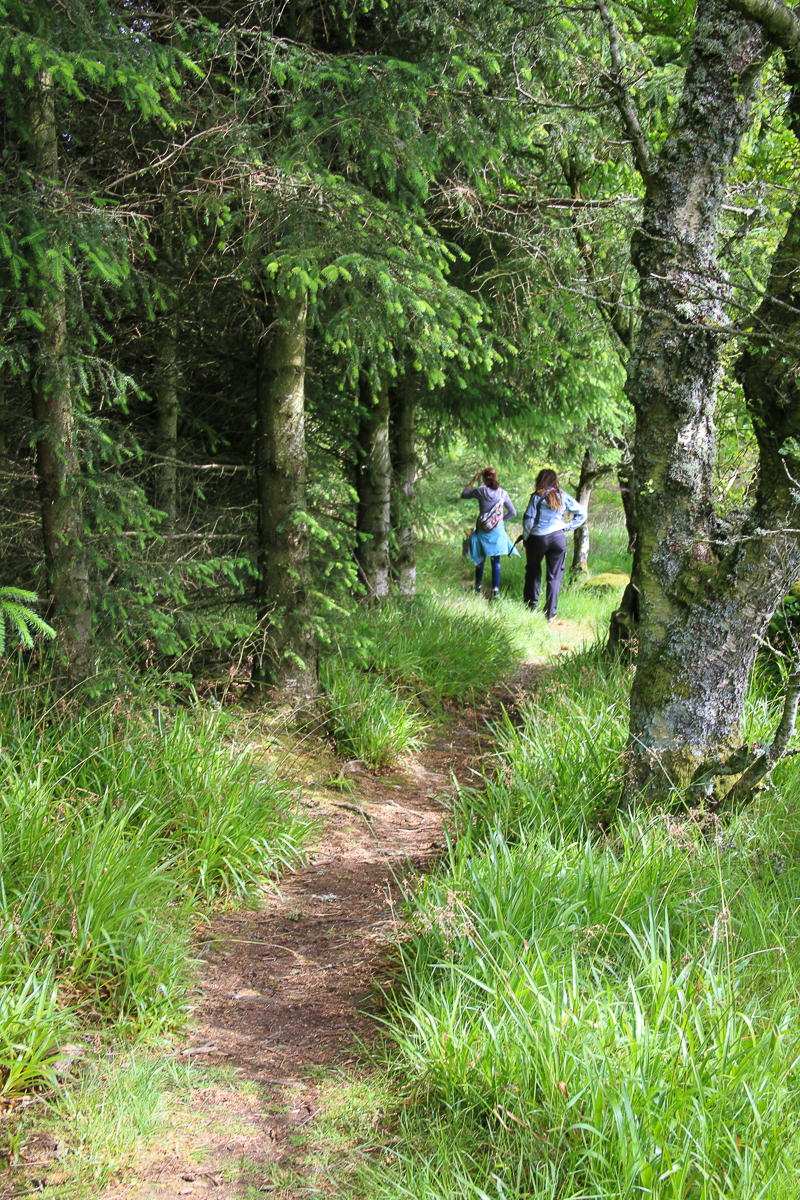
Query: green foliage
<point x="226" y="821"/>
<point x="450" y="647"/>
<point x="17" y="616"/>
<point x="88" y="895"/>
<point x="31" y="1023"/>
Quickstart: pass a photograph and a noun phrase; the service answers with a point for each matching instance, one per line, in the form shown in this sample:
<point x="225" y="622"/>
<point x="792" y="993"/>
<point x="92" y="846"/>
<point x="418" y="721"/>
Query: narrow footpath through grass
<point x="171" y="1022"/>
<point x="272" y="1089"/>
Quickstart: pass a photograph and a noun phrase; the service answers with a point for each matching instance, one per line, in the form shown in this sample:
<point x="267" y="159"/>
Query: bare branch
<point x="765" y="763"/>
<point x="616" y="87"/>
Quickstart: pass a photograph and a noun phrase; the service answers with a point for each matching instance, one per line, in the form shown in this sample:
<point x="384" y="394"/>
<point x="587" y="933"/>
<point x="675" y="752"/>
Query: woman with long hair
<point x="490" y="539"/>
<point x="544" y="534"/>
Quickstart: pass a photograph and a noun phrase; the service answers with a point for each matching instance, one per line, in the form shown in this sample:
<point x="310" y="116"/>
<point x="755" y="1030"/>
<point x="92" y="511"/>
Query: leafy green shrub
<point x="368" y="717"/>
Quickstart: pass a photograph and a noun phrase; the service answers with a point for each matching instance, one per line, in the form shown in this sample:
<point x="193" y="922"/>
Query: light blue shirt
<point x="550" y="519"/>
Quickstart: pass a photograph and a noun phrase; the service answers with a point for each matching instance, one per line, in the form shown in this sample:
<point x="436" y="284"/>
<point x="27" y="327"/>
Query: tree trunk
<point x="57" y="465"/>
<point x="580" y="538"/>
<point x="373" y="487"/>
<point x="290" y="661"/>
<point x="696" y="622"/>
<point x="625" y="620"/>
<point x="166" y="382"/>
<point x="403" y="405"/>
<point x="625" y="481"/>
<point x="3" y="414"/>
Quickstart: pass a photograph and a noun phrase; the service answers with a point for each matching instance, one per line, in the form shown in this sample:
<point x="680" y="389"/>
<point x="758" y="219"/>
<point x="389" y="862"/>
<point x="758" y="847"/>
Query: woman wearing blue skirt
<point x="490" y="539"/>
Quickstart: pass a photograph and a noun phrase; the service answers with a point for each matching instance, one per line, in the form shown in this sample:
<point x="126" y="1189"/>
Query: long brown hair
<point x="489" y="477"/>
<point x="547" y="487"/>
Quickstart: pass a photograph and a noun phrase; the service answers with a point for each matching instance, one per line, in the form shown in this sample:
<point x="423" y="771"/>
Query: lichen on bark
<point x="703" y="593"/>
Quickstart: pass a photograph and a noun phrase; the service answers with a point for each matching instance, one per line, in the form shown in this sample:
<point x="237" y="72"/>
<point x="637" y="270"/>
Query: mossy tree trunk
<point x="403" y="406"/>
<point x="57" y="463"/>
<point x="704" y="592"/>
<point x="290" y="658"/>
<point x="374" y="489"/>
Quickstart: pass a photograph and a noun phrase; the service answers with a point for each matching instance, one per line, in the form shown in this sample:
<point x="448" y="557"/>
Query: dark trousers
<point x="552" y="547"/>
<point x="495" y="573"/>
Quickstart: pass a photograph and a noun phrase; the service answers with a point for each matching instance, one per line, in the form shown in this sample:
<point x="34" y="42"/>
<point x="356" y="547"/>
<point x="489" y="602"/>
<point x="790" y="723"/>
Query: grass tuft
<point x="368" y="717"/>
<point x="110" y="832"/>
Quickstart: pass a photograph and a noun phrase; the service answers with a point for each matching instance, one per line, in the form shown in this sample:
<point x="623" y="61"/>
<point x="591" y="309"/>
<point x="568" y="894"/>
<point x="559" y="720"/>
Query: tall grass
<point x="447" y="647"/>
<point x="109" y="832"/>
<point x="369" y="718"/>
<point x="600" y="1004"/>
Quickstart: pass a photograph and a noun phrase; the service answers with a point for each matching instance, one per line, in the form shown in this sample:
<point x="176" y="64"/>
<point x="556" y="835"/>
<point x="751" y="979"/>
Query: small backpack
<point x="490" y="520"/>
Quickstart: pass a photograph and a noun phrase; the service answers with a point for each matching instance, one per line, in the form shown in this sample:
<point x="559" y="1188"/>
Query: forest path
<point x="290" y="990"/>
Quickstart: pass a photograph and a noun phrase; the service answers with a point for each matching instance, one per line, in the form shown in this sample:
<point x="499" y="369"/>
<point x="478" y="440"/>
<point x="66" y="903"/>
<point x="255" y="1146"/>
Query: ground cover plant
<point x="112" y="831"/>
<point x="601" y="1003"/>
<point x="369" y="719"/>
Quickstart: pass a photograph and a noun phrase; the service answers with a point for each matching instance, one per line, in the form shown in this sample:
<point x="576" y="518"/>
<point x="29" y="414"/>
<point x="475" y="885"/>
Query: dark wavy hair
<point x="489" y="477"/>
<point x="548" y="488"/>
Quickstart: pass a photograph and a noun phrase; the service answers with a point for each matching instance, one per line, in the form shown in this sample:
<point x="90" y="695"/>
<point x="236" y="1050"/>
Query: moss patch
<point x="608" y="580"/>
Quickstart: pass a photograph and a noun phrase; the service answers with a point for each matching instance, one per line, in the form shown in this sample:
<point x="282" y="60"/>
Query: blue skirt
<point x="487" y="545"/>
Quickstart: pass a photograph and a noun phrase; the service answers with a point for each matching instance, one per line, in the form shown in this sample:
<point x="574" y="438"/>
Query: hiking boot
<point x="495" y="593"/>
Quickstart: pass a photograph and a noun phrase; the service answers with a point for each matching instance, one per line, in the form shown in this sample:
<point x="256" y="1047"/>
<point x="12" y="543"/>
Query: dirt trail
<point x="289" y="994"/>
<point x="293" y="988"/>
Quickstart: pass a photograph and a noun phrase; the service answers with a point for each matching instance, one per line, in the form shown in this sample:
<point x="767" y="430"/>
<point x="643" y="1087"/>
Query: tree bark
<point x="373" y="487"/>
<point x="57" y="464"/>
<point x="625" y="481"/>
<point x="696" y="621"/>
<point x="290" y="660"/>
<point x="3" y="414"/>
<point x="166" y="382"/>
<point x="625" y="620"/>
<point x="403" y="405"/>
<point x="580" y="538"/>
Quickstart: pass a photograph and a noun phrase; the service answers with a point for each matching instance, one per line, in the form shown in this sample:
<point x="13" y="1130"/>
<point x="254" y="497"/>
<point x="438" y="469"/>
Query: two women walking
<point x="544" y="530"/>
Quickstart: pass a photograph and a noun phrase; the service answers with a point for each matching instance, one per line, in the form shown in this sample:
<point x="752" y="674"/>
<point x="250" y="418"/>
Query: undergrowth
<point x="599" y="1003"/>
<point x="369" y="718"/>
<point x="112" y="831"/>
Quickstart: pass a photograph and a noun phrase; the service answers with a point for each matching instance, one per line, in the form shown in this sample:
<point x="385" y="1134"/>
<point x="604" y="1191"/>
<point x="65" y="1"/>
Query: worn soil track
<point x="293" y="989"/>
